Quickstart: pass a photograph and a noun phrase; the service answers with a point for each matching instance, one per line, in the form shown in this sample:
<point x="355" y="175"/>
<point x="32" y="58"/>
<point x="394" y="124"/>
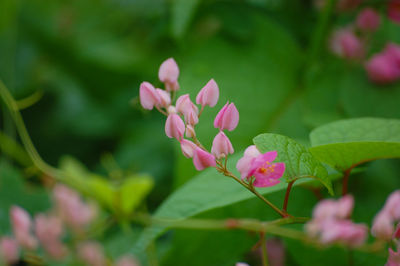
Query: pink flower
<point x="265" y="172"/>
<point x="392" y="205"/>
<point x="381" y="68"/>
<point x="344" y="43"/>
<point x="188" y="148"/>
<point x="394" y="258"/>
<point x="244" y="164"/>
<point x="127" y="260"/>
<point x="148" y="96"/>
<point x="191" y="117"/>
<point x="209" y="94"/>
<point x="383" y="224"/>
<point x="71" y="209"/>
<point x="334" y="209"/>
<point x="21" y="223"/>
<point x="92" y="254"/>
<point x="203" y="159"/>
<point x="49" y="230"/>
<point x="368" y="19"/>
<point x="393" y="10"/>
<point x="174" y="127"/>
<point x="190" y="132"/>
<point x="227" y="118"/>
<point x="169" y="73"/>
<point x="165" y="98"/>
<point x="189" y="110"/>
<point x="9" y="251"/>
<point x="343" y="231"/>
<point x="221" y="146"/>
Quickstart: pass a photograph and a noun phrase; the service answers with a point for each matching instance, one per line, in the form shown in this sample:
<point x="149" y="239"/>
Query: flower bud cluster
<point x="331" y="223"/>
<point x="184" y="115"/>
<point x="48" y="231"/>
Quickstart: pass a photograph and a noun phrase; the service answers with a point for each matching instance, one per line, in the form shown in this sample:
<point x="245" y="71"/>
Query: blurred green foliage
<point x="87" y="58"/>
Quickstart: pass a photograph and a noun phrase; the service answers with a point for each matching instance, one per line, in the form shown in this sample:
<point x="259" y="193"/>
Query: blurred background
<point x="75" y="68"/>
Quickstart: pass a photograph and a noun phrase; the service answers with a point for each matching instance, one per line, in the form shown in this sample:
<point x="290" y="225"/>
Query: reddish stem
<point x="286" y="201"/>
<point x="345" y="185"/>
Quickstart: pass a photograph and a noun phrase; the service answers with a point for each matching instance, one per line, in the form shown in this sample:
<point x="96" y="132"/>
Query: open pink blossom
<point x="174" y="127"/>
<point x="244" y="164"/>
<point x="203" y="159"/>
<point x="345" y="43"/>
<point x="265" y="172"/>
<point x="9" y="251"/>
<point x="188" y="148"/>
<point x="148" y="96"/>
<point x="169" y="73"/>
<point x="368" y="20"/>
<point x="227" y="118"/>
<point x="22" y="226"/>
<point x="209" y="94"/>
<point x="221" y="146"/>
<point x="393" y="10"/>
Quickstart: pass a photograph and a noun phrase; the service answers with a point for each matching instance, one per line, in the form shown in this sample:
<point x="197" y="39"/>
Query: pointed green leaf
<point x="300" y="163"/>
<point x="348" y="143"/>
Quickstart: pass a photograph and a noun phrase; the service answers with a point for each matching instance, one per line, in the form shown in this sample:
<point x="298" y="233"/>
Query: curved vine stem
<point x="23" y="133"/>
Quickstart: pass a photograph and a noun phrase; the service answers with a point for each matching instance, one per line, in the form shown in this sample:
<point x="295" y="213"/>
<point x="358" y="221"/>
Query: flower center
<point x="267" y="168"/>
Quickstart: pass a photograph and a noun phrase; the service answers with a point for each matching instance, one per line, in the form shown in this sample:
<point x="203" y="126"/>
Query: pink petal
<point x="368" y="19"/>
<point x="221" y="146"/>
<point x="148" y="96"/>
<point x="227" y="118"/>
<point x="174" y="127"/>
<point x="265" y="182"/>
<point x="203" y="159"/>
<point x="165" y="98"/>
<point x="209" y="94"/>
<point x="169" y="71"/>
<point x="188" y="148"/>
<point x="218" y="119"/>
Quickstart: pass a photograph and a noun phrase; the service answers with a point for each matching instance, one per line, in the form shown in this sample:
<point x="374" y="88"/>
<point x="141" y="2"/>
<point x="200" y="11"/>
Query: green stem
<point x="264" y="249"/>
<point x="26" y="140"/>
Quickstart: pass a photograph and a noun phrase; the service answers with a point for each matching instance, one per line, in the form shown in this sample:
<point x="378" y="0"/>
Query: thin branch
<point x="286" y="201"/>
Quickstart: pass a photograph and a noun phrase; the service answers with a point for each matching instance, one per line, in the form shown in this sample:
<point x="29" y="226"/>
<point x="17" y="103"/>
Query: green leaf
<point x="208" y="190"/>
<point x="133" y="191"/>
<point x="348" y="143"/>
<point x="300" y="163"/>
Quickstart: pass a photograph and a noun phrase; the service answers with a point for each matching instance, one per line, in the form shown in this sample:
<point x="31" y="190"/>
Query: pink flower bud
<point x="393" y="10"/>
<point x="394" y="258"/>
<point x="165" y="98"/>
<point x="174" y="127"/>
<point x="334" y="209"/>
<point x="244" y="164"/>
<point x="190" y="132"/>
<point x="9" y="251"/>
<point x="227" y="118"/>
<point x="392" y="205"/>
<point x="381" y="68"/>
<point x="127" y="260"/>
<point x="368" y="20"/>
<point x="169" y="73"/>
<point x="344" y="43"/>
<point x="345" y="232"/>
<point x="221" y="146"/>
<point x="184" y="105"/>
<point x="71" y="209"/>
<point x="92" y="254"/>
<point x="191" y="117"/>
<point x="188" y="148"/>
<point x="49" y="230"/>
<point x="21" y="222"/>
<point x="148" y="96"/>
<point x="382" y="226"/>
<point x="209" y="94"/>
<point x="241" y="264"/>
<point x="203" y="159"/>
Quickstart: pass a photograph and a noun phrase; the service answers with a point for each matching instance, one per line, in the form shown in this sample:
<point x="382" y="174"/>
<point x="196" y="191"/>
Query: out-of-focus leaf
<point x="346" y="143"/>
<point x="182" y="13"/>
<point x="299" y="162"/>
<point x="133" y="191"/>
